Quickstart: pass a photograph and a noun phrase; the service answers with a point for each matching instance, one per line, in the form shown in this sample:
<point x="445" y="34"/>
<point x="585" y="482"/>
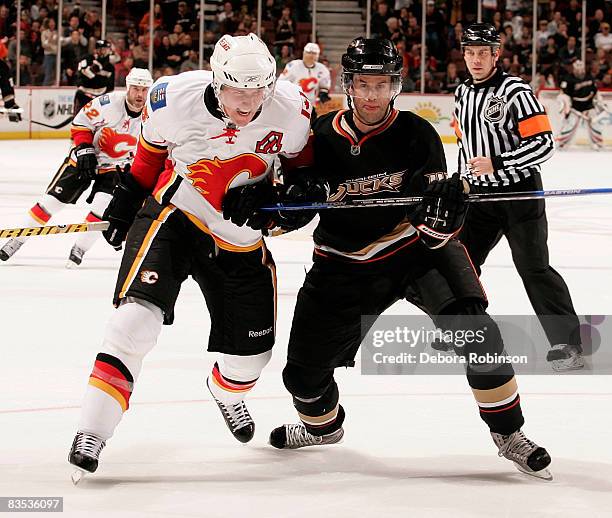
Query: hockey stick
<point x="472" y="198"/>
<point x="10" y="111"/>
<point x="53" y="229"/>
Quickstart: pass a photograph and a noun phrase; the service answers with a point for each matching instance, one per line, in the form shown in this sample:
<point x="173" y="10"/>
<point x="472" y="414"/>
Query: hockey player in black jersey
<point x="95" y="75"/>
<point x="8" y="92"/>
<point x="504" y="134"/>
<point x="580" y="102"/>
<point x="365" y="260"/>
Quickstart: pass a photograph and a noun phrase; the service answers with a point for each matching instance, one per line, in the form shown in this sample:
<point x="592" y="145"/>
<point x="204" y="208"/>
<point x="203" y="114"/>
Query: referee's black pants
<point x="526" y="229"/>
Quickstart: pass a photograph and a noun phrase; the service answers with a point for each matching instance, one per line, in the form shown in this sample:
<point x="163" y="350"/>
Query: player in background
<point x="7" y="89"/>
<point x="95" y="75"/>
<point x="580" y="102"/>
<point x="367" y="259"/>
<point x="104" y="136"/>
<point x="310" y="75"/>
<point x="504" y="134"/>
<point x="203" y="133"/>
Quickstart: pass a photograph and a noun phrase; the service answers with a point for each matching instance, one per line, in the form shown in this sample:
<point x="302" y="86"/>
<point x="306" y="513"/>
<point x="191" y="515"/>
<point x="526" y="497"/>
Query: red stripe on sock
<point x="40" y="214"/>
<point x="113" y="377"/>
<point x="503" y="409"/>
<point x="240" y="386"/>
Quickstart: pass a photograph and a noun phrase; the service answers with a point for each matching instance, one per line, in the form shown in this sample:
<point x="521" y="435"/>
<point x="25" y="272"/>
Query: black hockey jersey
<point x="581" y="91"/>
<point x="396" y="159"/>
<point x="96" y="75"/>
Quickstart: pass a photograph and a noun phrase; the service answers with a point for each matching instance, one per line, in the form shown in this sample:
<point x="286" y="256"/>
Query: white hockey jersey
<point x="106" y="123"/>
<point x="310" y="80"/>
<point x="209" y="155"/>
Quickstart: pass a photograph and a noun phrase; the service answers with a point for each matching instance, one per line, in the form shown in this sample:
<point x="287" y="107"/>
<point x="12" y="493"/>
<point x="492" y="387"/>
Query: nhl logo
<point x="494" y="110"/>
<point x="49" y="108"/>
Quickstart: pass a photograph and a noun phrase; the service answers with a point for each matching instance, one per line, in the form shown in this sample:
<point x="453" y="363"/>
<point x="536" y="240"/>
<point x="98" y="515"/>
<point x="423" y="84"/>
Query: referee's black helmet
<point x="480" y="34"/>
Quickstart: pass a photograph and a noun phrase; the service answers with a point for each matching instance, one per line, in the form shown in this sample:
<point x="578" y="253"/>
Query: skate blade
<point x="71" y="265"/>
<point x="77" y="476"/>
<point x="543" y="474"/>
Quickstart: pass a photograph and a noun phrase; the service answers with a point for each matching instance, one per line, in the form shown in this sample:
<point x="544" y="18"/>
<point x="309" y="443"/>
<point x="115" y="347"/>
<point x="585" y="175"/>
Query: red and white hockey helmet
<point x="139" y="77"/>
<point x="242" y="62"/>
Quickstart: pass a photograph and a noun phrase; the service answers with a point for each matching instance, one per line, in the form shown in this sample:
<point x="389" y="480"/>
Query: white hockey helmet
<point x="242" y="62"/>
<point x="139" y="77"/>
<point x="312" y="48"/>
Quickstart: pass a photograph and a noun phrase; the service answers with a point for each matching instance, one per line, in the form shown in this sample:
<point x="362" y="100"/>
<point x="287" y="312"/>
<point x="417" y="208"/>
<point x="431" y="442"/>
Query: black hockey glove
<point x="128" y="197"/>
<point x="12" y="105"/>
<point x="441" y="214"/>
<point x="324" y="97"/>
<point x="87" y="163"/>
<point x="301" y="189"/>
<point x="241" y="204"/>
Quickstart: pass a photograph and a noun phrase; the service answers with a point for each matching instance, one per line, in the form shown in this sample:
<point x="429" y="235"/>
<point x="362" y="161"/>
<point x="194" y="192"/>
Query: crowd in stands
<point x="558" y="39"/>
<point x="286" y="28"/>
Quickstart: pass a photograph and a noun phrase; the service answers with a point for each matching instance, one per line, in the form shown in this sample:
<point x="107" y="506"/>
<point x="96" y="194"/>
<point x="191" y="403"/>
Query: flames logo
<point x="114" y="144"/>
<point x="308" y="84"/>
<point x="212" y="178"/>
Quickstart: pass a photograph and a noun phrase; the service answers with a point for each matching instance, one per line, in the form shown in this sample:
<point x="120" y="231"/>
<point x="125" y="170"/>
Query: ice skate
<point x="527" y="456"/>
<point x="565" y="357"/>
<point x="237" y="418"/>
<point x="9" y="248"/>
<point x="293" y="436"/>
<point x="84" y="455"/>
<point x="76" y="257"/>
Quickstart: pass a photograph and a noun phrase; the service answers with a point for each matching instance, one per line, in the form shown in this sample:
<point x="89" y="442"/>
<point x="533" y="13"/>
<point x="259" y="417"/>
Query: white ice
<point x="414" y="445"/>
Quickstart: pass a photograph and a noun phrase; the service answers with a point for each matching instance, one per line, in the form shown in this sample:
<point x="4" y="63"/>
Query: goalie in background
<point x="580" y="102"/>
<point x="104" y="137"/>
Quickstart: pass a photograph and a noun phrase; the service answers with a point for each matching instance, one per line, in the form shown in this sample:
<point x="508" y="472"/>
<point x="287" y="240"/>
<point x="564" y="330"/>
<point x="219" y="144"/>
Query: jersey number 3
<point x="212" y="178"/>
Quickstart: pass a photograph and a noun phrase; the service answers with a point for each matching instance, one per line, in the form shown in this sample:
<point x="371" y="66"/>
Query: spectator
<point x="561" y="36"/>
<point x="413" y="34"/>
<point x="177" y="38"/>
<point x="74" y="49"/>
<point x="158" y="18"/>
<point x="285" y="29"/>
<point x="209" y="44"/>
<point x="603" y="39"/>
<point x="4" y="21"/>
<point x="395" y="32"/>
<point x="451" y="80"/>
<point x="166" y="54"/>
<point x="73" y="25"/>
<point x="603" y="61"/>
<point x="191" y="63"/>
<point x="548" y="57"/>
<point x="122" y="69"/>
<point x="569" y="53"/>
<point x="454" y="37"/>
<point x="91" y="22"/>
<point x="227" y="19"/>
<point x="284" y="57"/>
<point x="595" y="25"/>
<point x="542" y="34"/>
<point x="435" y="31"/>
<point x="379" y="21"/>
<point x="49" y="40"/>
<point x="184" y="17"/>
<point x="140" y="53"/>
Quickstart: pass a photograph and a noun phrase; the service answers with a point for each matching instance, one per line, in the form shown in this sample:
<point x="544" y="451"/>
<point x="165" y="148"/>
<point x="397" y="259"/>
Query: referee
<point x="504" y="135"/>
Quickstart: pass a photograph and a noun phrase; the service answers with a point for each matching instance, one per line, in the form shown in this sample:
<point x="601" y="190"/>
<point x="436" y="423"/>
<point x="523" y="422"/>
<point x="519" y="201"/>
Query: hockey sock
<point x="232" y="377"/>
<point x="86" y="240"/>
<point x="500" y="404"/>
<point x="131" y="333"/>
<point x="323" y="414"/>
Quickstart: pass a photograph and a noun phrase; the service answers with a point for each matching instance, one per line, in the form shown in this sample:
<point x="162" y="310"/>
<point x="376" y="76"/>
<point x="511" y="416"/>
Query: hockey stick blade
<point x="53" y="229"/>
<point x="472" y="198"/>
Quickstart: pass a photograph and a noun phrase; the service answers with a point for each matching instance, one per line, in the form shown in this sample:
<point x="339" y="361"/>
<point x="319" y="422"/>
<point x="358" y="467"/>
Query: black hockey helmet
<point x="103" y="44"/>
<point x="481" y="34"/>
<point x="372" y="56"/>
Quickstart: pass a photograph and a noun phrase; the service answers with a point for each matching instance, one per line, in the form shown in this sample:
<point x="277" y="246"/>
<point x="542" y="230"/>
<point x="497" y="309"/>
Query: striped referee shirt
<point x="501" y="119"/>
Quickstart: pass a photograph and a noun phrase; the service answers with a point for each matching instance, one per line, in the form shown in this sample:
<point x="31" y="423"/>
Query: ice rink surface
<point x="414" y="445"/>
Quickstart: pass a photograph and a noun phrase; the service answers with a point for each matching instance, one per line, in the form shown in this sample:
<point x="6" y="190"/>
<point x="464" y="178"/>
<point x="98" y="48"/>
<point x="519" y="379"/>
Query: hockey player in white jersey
<point x="104" y="136"/>
<point x="203" y="133"/>
<point x="310" y="75"/>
